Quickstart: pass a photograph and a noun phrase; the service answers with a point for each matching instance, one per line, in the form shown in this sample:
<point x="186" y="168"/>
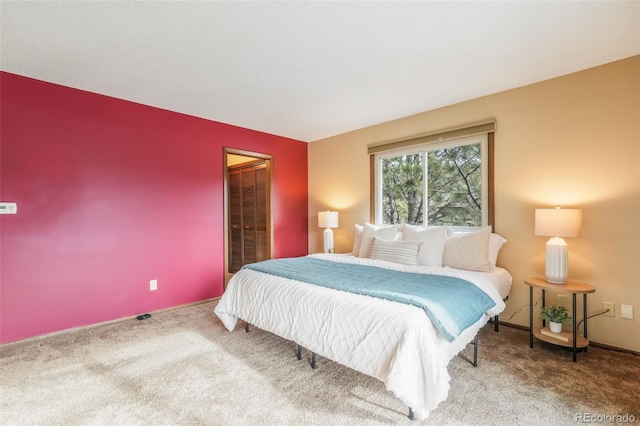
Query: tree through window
<point x="451" y="174"/>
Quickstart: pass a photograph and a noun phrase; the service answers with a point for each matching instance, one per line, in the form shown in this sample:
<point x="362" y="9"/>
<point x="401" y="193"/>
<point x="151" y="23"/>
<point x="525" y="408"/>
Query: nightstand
<point x="570" y="287"/>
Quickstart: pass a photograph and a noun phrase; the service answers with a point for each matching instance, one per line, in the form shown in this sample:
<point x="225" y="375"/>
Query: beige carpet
<point x="181" y="367"/>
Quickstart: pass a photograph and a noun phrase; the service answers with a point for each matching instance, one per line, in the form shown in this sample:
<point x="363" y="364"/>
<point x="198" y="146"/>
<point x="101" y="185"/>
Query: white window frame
<point x="423" y="149"/>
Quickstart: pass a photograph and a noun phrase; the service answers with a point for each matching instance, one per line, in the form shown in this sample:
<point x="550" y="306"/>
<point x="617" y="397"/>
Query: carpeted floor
<point x="181" y="367"/>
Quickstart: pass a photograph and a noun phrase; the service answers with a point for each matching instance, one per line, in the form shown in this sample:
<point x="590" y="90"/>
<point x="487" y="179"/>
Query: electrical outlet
<point x="611" y="307"/>
<point x="626" y="312"/>
<point x="153" y="285"/>
<point x="562" y="300"/>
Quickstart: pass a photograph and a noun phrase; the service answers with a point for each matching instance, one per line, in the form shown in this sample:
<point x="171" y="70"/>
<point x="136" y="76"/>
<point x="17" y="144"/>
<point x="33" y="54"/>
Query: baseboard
<point x="100" y="324"/>
<point x="186" y="305"/>
<point x="591" y="342"/>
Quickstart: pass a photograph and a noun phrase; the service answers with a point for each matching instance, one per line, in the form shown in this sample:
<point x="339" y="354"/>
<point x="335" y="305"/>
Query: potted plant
<point x="556" y="315"/>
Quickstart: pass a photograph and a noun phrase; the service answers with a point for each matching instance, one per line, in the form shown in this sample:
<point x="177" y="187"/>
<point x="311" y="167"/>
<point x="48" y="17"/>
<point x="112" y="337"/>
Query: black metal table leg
<point x="299" y="352"/>
<point x="544" y="297"/>
<point x="412" y="416"/>
<point x="313" y="360"/>
<point x="531" y="316"/>
<point x="573" y="299"/>
<point x="584" y="314"/>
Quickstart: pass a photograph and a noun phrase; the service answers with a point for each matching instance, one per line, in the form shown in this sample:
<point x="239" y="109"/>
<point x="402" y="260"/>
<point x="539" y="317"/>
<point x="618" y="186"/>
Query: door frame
<point x="270" y="220"/>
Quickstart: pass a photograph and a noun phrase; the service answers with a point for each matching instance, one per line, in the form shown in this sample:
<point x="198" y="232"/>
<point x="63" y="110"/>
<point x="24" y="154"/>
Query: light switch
<point x="8" y="208"/>
<point x="626" y="311"/>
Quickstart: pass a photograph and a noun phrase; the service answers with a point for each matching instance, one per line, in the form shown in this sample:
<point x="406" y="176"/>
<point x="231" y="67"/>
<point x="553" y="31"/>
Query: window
<point x="453" y="174"/>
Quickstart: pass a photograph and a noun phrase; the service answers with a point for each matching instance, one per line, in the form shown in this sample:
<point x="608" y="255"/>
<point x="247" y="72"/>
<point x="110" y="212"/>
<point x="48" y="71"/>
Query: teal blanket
<point x="452" y="304"/>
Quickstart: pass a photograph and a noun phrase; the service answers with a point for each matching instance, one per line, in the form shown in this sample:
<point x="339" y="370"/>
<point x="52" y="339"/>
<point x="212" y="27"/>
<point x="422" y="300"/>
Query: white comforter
<point x="393" y="342"/>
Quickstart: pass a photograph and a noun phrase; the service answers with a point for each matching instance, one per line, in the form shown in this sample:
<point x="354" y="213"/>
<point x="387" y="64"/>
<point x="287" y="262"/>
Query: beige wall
<point x="572" y="141"/>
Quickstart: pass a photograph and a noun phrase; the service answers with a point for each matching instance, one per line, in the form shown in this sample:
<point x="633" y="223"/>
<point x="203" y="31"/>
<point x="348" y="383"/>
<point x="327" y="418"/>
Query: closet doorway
<point x="248" y="201"/>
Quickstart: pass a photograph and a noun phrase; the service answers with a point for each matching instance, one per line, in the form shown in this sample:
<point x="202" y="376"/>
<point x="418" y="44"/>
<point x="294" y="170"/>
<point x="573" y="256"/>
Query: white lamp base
<point x="557" y="260"/>
<point x="328" y="240"/>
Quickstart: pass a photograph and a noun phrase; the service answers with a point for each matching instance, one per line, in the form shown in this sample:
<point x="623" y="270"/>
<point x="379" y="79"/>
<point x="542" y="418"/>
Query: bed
<point x="392" y="341"/>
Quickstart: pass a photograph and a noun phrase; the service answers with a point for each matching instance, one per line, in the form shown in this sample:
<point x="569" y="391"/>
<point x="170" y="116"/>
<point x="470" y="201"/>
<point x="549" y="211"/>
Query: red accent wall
<point x="112" y="194"/>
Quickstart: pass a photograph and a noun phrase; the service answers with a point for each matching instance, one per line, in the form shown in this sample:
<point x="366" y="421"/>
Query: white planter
<point x="555" y="327"/>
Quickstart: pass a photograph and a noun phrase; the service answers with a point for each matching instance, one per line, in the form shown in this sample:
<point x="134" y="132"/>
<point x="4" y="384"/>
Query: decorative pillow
<point x="396" y="251"/>
<point x="496" y="241"/>
<point x="386" y="232"/>
<point x="495" y="244"/>
<point x="469" y="250"/>
<point x="432" y="239"/>
<point x="357" y="240"/>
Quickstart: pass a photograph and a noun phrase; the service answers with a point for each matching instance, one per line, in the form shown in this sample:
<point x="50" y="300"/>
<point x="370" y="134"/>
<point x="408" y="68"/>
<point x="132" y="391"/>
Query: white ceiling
<point x="309" y="70"/>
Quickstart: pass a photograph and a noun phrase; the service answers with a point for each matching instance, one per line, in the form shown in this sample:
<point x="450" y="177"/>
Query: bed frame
<point x="411" y="415"/>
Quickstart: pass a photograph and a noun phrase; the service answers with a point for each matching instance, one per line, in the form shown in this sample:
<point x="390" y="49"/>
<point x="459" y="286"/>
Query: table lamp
<point x="328" y="220"/>
<point x="557" y="223"/>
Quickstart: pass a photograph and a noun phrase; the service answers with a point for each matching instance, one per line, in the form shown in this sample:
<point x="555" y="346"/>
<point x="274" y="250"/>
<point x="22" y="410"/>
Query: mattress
<point x="391" y="341"/>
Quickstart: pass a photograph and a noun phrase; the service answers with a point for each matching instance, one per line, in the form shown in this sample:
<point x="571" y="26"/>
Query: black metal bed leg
<point x="475" y="351"/>
<point x="412" y="415"/>
<point x="246" y="326"/>
<point x="313" y="357"/>
<point x="496" y="319"/>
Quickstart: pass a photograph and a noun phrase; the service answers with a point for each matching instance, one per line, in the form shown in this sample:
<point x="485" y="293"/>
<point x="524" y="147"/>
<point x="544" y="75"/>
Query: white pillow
<point x="386" y="232"/>
<point x="396" y="251"/>
<point x="432" y="239"/>
<point x="469" y="250"/>
<point x="495" y="244"/>
<point x="496" y="241"/>
<point x="357" y="240"/>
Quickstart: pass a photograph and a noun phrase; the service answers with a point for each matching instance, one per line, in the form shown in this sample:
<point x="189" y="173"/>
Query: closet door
<point x="248" y="214"/>
<point x="262" y="213"/>
<point x="235" y="220"/>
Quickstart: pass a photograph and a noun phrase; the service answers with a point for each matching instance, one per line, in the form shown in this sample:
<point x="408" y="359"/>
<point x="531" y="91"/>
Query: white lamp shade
<point x="328" y="219"/>
<point x="558" y="222"/>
